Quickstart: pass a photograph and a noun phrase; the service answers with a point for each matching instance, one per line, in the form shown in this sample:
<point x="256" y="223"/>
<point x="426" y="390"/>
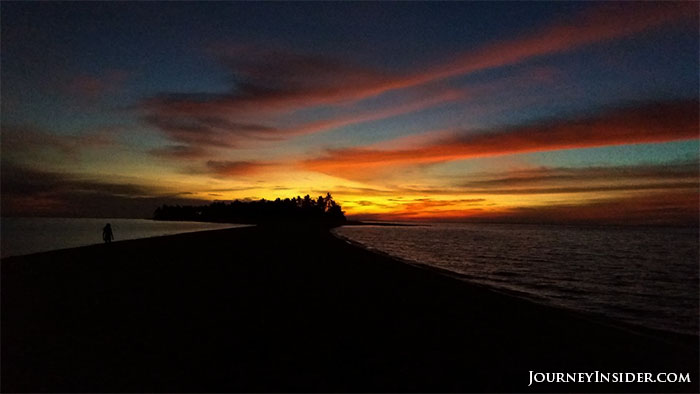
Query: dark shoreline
<point x="662" y="335"/>
<point x="283" y="308"/>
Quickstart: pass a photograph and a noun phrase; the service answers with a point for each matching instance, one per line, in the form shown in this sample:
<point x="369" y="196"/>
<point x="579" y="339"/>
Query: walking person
<point x="107" y="234"/>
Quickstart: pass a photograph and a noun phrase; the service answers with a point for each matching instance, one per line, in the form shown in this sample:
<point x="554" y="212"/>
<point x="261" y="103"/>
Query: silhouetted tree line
<point x="321" y="210"/>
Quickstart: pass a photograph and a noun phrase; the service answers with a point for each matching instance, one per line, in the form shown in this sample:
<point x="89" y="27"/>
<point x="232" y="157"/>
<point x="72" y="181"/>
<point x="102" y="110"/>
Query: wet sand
<point x="280" y="309"/>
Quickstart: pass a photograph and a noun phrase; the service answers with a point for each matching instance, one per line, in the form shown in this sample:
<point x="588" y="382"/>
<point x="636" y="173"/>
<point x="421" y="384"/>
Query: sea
<point x="644" y="276"/>
<point x="21" y="236"/>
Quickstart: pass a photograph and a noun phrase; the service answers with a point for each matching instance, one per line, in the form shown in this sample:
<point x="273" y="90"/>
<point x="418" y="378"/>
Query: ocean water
<point x="643" y="276"/>
<point x="20" y="236"/>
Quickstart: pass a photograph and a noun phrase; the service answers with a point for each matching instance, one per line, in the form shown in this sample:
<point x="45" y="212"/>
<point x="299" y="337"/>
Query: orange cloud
<point x="644" y="193"/>
<point x="652" y="123"/>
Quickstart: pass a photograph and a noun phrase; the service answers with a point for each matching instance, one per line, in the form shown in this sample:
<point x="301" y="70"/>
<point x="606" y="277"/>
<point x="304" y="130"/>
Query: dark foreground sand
<point x="291" y="309"/>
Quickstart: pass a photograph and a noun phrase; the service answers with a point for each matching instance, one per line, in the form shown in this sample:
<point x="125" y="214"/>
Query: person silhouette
<point x="107" y="233"/>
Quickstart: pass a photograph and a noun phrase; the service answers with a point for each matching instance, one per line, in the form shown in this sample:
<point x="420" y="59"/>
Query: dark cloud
<point x="179" y="152"/>
<point x="20" y="139"/>
<point x="688" y="170"/>
<point x="233" y="189"/>
<point x="263" y="81"/>
<point x="198" y="133"/>
<point x="30" y="192"/>
<point x="689" y="185"/>
<point x="275" y="76"/>
<point x="544" y="180"/>
<point x="236" y="168"/>
<point x="654" y="208"/>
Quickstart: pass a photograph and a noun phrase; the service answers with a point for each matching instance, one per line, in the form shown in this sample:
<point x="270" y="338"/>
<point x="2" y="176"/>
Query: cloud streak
<point x="651" y="123"/>
<point x="197" y="135"/>
<point x="269" y="80"/>
<point x="601" y="23"/>
<point x="275" y="78"/>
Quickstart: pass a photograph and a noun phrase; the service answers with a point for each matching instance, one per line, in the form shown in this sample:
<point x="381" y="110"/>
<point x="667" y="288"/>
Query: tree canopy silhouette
<point x="322" y="210"/>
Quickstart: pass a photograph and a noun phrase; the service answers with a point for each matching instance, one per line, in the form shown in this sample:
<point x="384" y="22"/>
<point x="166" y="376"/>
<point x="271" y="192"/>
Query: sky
<point x="542" y="112"/>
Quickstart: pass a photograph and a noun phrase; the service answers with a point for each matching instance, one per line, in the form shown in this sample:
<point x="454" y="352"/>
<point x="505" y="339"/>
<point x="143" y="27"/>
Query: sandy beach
<point x="294" y="309"/>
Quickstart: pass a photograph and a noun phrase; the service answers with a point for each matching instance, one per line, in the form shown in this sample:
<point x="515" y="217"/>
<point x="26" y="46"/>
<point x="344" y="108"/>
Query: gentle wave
<point x="643" y="276"/>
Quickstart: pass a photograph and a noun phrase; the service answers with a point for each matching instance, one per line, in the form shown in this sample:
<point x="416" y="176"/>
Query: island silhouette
<point x="322" y="210"/>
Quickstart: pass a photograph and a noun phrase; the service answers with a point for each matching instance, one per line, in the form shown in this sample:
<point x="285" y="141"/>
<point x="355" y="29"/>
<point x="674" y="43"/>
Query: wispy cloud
<point x="88" y="87"/>
<point x="599" y="23"/>
<point x="268" y="80"/>
<point x="272" y="78"/>
<point x="650" y="123"/>
<point x="410" y="106"/>
<point x="197" y="135"/>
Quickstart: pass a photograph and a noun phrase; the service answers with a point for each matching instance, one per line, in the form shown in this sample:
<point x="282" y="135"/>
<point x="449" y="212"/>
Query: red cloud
<point x="653" y="123"/>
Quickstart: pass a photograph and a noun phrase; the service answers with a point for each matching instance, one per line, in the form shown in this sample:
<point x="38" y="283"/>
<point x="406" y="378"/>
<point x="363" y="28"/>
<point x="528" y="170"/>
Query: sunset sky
<point x="526" y="112"/>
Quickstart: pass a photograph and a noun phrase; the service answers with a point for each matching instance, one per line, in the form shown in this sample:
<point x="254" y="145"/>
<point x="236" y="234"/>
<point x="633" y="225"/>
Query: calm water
<point x="19" y="236"/>
<point x="644" y="276"/>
